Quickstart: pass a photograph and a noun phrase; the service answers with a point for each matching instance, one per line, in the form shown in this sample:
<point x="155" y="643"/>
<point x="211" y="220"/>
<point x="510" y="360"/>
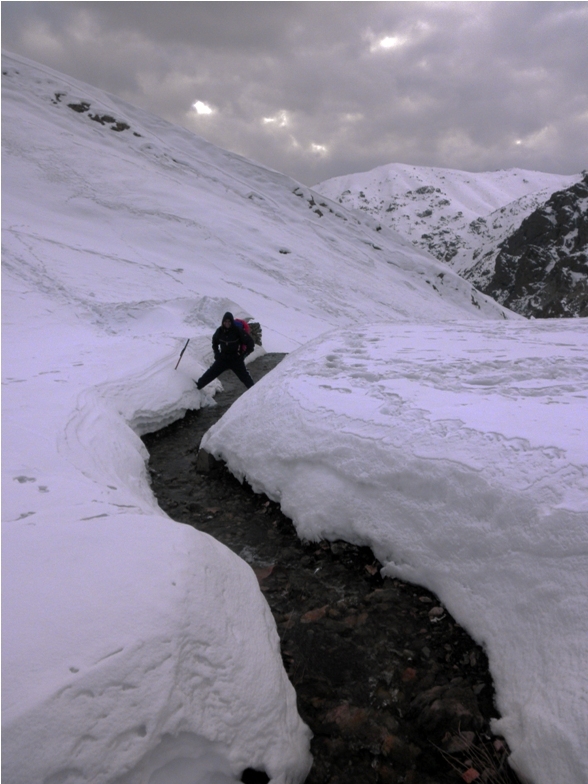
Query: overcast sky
<point x="318" y="89"/>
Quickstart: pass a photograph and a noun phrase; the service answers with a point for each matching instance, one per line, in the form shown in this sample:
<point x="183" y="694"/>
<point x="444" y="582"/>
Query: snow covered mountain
<point x="461" y="218"/>
<point x="542" y="268"/>
<point x="447" y="436"/>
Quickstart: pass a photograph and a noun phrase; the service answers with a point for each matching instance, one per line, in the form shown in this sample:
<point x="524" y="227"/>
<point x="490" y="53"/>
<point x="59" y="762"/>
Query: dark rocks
<point x="103" y="119"/>
<point x="79" y="107"/>
<point x="392" y="688"/>
<point x="205" y="462"/>
<point x="447" y="708"/>
<point x="542" y="268"/>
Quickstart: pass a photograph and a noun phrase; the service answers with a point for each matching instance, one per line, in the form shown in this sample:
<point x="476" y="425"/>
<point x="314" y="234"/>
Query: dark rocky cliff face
<point x="542" y="268"/>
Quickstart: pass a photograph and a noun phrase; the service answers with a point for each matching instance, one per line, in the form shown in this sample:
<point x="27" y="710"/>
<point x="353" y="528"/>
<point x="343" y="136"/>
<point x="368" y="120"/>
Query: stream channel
<point x="393" y="689"/>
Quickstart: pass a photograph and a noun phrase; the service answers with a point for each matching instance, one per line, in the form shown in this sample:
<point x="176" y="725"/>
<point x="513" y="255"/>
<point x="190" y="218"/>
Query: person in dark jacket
<point x="230" y="345"/>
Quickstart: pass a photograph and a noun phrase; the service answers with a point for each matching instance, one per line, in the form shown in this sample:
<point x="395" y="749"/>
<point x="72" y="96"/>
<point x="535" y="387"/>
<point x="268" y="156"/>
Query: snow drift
<point x="144" y="641"/>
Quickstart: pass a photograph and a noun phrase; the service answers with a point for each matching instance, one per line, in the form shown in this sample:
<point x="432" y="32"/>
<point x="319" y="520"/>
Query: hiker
<point x="230" y="345"/>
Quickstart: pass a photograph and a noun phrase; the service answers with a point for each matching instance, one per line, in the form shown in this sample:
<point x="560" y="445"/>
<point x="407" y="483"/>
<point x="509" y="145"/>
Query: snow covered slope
<point x="459" y="217"/>
<point x="134" y="646"/>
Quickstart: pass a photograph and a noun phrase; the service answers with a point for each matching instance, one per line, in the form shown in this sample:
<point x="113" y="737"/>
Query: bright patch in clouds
<point x="353" y="117"/>
<point x="391" y="42"/>
<point x="318" y="148"/>
<point x="280" y="120"/>
<point x="202" y="108"/>
<point x="377" y="43"/>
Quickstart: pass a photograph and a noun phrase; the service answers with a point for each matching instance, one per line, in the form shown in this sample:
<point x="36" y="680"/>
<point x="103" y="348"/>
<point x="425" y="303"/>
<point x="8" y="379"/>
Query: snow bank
<point x="153" y="649"/>
<point x="132" y="646"/>
<point x="130" y="642"/>
<point x="458" y="454"/>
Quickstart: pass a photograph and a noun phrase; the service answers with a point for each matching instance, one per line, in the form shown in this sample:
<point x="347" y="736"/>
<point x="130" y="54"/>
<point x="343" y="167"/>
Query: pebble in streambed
<point x="392" y="687"/>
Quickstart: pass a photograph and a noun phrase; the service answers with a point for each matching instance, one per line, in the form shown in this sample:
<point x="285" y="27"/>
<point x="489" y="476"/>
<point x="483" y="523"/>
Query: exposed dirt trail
<point x="385" y="678"/>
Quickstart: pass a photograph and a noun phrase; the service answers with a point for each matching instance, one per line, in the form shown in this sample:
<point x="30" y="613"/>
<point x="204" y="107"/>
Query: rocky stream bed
<point x="392" y="687"/>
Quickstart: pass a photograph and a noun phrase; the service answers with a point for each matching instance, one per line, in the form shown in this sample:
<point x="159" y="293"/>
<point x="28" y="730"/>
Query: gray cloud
<point x="307" y="89"/>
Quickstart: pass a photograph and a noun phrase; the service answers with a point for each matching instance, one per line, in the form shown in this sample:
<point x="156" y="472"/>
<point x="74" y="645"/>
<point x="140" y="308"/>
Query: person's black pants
<point x="236" y="364"/>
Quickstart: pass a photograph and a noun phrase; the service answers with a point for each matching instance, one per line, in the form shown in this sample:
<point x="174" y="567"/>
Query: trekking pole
<point x="182" y="354"/>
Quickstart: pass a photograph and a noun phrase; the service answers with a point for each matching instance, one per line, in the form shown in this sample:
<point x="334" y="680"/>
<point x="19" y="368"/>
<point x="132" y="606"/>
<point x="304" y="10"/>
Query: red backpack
<point x="245" y="327"/>
<point x="243" y="324"/>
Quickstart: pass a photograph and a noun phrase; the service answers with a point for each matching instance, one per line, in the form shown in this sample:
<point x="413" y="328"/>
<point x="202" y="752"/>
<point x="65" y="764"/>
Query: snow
<point x="458" y="454"/>
<point x="471" y="194"/>
<point x="459" y="217"/>
<point x="137" y="641"/>
<point x="137" y="649"/>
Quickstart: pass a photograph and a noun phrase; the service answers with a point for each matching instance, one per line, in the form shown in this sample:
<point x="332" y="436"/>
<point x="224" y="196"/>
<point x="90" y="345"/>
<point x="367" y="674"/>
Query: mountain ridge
<point x="461" y="218"/>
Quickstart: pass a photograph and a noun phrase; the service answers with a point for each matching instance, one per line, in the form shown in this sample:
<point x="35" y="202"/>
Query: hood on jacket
<point x="228" y="317"/>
